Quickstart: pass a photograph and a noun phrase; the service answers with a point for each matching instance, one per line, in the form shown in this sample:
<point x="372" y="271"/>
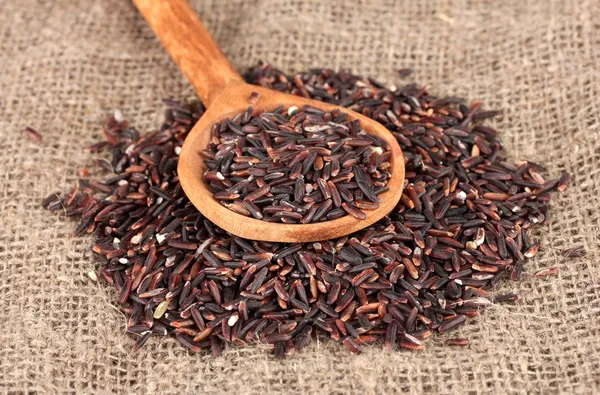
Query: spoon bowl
<point x="234" y="100"/>
<point x="225" y="94"/>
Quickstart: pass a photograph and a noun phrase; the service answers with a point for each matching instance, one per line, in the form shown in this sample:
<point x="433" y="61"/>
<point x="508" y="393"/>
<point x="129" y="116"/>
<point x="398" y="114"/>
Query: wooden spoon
<point x="225" y="94"/>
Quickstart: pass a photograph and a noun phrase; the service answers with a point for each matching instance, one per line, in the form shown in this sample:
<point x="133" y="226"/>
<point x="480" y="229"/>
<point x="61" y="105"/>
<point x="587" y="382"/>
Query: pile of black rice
<point x="462" y="226"/>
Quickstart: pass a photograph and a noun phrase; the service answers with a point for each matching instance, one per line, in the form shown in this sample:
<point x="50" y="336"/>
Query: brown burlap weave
<point x="67" y="64"/>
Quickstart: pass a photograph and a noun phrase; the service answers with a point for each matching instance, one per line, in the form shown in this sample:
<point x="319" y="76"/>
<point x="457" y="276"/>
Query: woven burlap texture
<point x="67" y="64"/>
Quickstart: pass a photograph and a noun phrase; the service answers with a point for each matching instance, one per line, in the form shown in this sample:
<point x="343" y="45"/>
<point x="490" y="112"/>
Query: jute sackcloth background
<point x="66" y="65"/>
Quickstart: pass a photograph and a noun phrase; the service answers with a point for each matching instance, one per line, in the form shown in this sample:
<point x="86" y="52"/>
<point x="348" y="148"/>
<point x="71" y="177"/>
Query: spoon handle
<point x="190" y="45"/>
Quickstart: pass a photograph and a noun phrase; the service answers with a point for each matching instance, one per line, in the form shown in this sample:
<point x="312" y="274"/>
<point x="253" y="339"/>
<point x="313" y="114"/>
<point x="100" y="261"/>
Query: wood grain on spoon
<point x="225" y="94"/>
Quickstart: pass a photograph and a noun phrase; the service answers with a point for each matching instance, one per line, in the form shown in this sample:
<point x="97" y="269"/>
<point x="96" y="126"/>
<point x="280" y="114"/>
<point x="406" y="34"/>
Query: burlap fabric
<point x="67" y="64"/>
